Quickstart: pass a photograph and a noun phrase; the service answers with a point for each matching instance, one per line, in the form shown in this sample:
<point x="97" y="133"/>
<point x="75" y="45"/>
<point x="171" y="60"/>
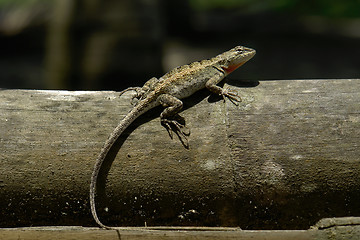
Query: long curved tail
<point x="124" y="123"/>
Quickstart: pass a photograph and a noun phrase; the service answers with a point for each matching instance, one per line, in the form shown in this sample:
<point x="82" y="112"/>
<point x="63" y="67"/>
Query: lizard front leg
<point x="168" y="117"/>
<point x="211" y="85"/>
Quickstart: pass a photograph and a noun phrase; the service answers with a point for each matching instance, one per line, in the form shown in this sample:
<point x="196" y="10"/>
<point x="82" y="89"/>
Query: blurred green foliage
<point x="5" y="3"/>
<point x="325" y="8"/>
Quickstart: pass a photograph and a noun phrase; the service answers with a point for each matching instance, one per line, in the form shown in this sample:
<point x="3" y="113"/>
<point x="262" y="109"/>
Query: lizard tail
<point x="124" y="123"/>
<point x="99" y="161"/>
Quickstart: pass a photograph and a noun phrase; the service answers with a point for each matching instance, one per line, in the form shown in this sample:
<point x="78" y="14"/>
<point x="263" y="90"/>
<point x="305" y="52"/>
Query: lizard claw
<point x="180" y="129"/>
<point x="166" y="124"/>
<point x="233" y="97"/>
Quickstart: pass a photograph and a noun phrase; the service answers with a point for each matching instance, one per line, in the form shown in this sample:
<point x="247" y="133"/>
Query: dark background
<point x="110" y="45"/>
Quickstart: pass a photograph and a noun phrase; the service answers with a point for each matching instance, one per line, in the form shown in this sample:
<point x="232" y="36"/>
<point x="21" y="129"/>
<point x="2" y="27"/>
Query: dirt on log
<point x="286" y="157"/>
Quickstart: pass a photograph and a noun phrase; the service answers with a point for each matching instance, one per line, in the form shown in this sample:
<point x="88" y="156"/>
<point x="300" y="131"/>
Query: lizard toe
<point x="232" y="96"/>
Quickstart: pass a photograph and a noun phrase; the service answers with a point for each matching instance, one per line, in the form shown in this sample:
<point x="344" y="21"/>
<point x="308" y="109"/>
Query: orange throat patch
<point x="231" y="68"/>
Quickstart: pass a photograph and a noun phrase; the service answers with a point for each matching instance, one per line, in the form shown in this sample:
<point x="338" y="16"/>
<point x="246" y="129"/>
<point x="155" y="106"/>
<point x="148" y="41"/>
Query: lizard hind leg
<point x="178" y="127"/>
<point x="136" y="89"/>
<point x="171" y="120"/>
<point x="135" y="98"/>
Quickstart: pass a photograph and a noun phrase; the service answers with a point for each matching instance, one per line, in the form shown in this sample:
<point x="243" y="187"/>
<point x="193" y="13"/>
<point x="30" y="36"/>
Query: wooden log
<point x="287" y="156"/>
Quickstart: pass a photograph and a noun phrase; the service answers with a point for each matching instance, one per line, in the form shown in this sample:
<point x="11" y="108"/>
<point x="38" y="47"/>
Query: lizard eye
<point x="239" y="49"/>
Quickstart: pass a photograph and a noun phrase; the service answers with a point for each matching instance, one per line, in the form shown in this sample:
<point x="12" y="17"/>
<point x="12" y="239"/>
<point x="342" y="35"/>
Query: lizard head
<point x="234" y="58"/>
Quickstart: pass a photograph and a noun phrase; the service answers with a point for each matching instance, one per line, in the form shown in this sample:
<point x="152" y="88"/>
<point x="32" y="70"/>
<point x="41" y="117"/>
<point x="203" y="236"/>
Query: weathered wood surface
<point x="287" y="156"/>
<point x="340" y="229"/>
<point x="80" y="233"/>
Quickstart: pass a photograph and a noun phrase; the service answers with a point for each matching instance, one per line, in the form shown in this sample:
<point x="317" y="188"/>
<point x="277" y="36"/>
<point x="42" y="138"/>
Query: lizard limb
<point x="172" y="106"/>
<point x="211" y="85"/>
<point x="136" y="89"/>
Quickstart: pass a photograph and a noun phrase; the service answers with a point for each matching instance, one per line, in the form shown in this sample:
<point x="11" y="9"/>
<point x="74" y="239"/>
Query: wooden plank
<point x="328" y="228"/>
<point x="78" y="233"/>
<point x="287" y="156"/>
<point x="96" y="233"/>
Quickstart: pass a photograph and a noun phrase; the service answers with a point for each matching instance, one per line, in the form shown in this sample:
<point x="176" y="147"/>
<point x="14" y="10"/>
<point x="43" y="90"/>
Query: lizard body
<point x="167" y="91"/>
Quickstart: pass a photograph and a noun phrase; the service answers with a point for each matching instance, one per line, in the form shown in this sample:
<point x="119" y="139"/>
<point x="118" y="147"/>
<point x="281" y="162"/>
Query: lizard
<point x="181" y="82"/>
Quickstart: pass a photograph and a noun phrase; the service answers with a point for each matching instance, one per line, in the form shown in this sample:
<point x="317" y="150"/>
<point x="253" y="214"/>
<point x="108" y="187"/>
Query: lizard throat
<point x="231" y="68"/>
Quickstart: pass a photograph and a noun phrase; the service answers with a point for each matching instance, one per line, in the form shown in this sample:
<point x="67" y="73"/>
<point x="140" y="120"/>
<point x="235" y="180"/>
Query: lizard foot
<point x="173" y="125"/>
<point x="233" y="97"/>
<point x="136" y="89"/>
<point x="135" y="98"/>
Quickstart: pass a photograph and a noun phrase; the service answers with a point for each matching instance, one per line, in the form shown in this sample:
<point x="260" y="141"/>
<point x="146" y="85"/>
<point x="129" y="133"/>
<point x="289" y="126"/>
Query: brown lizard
<point x="167" y="91"/>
